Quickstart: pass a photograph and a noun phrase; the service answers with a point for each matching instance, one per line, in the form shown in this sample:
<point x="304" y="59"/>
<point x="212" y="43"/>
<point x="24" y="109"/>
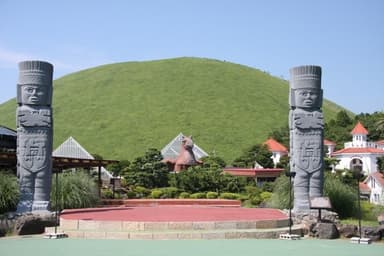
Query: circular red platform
<point x="174" y="213"/>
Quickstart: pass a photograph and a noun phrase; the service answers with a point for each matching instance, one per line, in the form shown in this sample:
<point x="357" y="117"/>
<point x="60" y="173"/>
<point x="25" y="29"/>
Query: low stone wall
<point x="129" y="226"/>
<point x="172" y="202"/>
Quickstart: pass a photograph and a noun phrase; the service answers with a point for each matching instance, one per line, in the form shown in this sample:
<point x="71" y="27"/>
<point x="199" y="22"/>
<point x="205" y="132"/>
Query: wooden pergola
<point x="9" y="160"/>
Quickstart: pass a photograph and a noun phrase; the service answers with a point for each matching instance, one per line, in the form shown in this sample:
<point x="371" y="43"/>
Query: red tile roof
<point x="250" y="172"/>
<point x="328" y="142"/>
<point x="364" y="187"/>
<point x="359" y="151"/>
<point x="379" y="177"/>
<point x="275" y="146"/>
<point x="359" y="129"/>
<point x="380" y="142"/>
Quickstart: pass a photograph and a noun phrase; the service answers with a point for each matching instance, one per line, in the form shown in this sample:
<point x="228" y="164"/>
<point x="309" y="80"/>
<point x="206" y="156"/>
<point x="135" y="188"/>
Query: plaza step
<point x="174" y="222"/>
<point x="251" y="233"/>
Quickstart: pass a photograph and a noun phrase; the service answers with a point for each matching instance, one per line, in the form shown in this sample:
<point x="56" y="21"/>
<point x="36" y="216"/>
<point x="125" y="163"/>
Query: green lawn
<point x="313" y="247"/>
<point x="364" y="223"/>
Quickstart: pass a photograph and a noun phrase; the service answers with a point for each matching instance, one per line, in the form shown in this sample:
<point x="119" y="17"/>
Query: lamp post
<point x="56" y="200"/>
<point x="357" y="175"/>
<point x="113" y="182"/>
<point x="290" y="175"/>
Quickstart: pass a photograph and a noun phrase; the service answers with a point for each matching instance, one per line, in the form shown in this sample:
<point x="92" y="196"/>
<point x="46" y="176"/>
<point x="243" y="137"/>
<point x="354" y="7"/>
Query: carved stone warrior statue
<point x="306" y="127"/>
<point x="34" y="135"/>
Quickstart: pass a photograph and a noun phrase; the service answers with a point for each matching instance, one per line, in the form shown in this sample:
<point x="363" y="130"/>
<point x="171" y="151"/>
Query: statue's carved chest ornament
<point x="33" y="152"/>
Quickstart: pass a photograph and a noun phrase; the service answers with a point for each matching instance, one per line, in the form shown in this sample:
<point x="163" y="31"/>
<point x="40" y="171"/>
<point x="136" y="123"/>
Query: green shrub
<point x="198" y="179"/>
<point x="141" y="192"/>
<point x="369" y="211"/>
<point x="343" y="198"/>
<point x="243" y="197"/>
<point x="228" y="195"/>
<point x="76" y="190"/>
<point x="265" y="196"/>
<point x="377" y="210"/>
<point x="252" y="190"/>
<point x="230" y="183"/>
<point x="267" y="186"/>
<point x="280" y="196"/>
<point x="184" y="195"/>
<point x="156" y="193"/>
<point x="255" y="200"/>
<point x="131" y="194"/>
<point x="170" y="192"/>
<point x="212" y="195"/>
<point x="106" y="193"/>
<point x="9" y="192"/>
<point x="198" y="195"/>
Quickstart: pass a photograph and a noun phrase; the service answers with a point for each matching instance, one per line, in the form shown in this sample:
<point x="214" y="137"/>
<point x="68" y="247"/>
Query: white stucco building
<point x="278" y="150"/>
<point x="375" y="184"/>
<point x="359" y="153"/>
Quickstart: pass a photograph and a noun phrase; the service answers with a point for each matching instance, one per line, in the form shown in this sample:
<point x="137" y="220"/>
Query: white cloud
<point x="8" y="58"/>
<point x="65" y="59"/>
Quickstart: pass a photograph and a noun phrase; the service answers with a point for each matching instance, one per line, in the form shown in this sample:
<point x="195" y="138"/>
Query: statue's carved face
<point x="307" y="98"/>
<point x="33" y="95"/>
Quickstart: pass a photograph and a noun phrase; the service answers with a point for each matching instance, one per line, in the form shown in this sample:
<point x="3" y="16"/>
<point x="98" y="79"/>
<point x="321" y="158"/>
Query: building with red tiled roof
<point x="330" y="147"/>
<point x="375" y="182"/>
<point x="259" y="174"/>
<point x="359" y="129"/>
<point x="278" y="150"/>
<point x="359" y="153"/>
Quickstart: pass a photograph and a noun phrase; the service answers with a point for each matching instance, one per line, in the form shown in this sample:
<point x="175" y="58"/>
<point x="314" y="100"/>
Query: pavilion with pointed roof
<point x="172" y="150"/>
<point x="7" y="139"/>
<point x="359" y="153"/>
<point x="71" y="149"/>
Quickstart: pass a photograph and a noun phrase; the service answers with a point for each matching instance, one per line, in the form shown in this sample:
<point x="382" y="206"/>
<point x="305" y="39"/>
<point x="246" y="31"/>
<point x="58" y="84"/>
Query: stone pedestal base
<point x="288" y="236"/>
<point x="363" y="240"/>
<point x="28" y="206"/>
<point x="24" y="206"/>
<point x="40" y="206"/>
<point x="55" y="235"/>
<point x="34" y="223"/>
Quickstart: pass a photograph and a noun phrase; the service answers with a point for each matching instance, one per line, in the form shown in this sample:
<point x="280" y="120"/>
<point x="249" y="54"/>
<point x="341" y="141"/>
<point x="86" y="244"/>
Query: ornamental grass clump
<point x="342" y="196"/>
<point x="75" y="190"/>
<point x="9" y="192"/>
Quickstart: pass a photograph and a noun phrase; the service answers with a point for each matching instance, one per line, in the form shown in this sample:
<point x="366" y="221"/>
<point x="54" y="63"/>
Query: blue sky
<point x="344" y="37"/>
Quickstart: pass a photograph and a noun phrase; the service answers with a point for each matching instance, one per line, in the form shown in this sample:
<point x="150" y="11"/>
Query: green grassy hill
<point x="120" y="110"/>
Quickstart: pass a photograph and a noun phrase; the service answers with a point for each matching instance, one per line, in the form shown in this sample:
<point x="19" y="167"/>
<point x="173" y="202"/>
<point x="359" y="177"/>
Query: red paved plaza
<point x="175" y="213"/>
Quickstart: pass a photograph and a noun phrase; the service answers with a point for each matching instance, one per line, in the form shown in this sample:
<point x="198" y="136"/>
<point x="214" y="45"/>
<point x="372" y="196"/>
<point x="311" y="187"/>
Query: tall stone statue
<point x="306" y="127"/>
<point x="34" y="135"/>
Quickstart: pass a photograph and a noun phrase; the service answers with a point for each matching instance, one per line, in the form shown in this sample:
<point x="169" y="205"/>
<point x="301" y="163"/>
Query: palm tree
<point x="380" y="124"/>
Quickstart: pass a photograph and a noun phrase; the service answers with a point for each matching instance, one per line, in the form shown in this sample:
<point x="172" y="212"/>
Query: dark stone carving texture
<point x="34" y="135"/>
<point x="306" y="126"/>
